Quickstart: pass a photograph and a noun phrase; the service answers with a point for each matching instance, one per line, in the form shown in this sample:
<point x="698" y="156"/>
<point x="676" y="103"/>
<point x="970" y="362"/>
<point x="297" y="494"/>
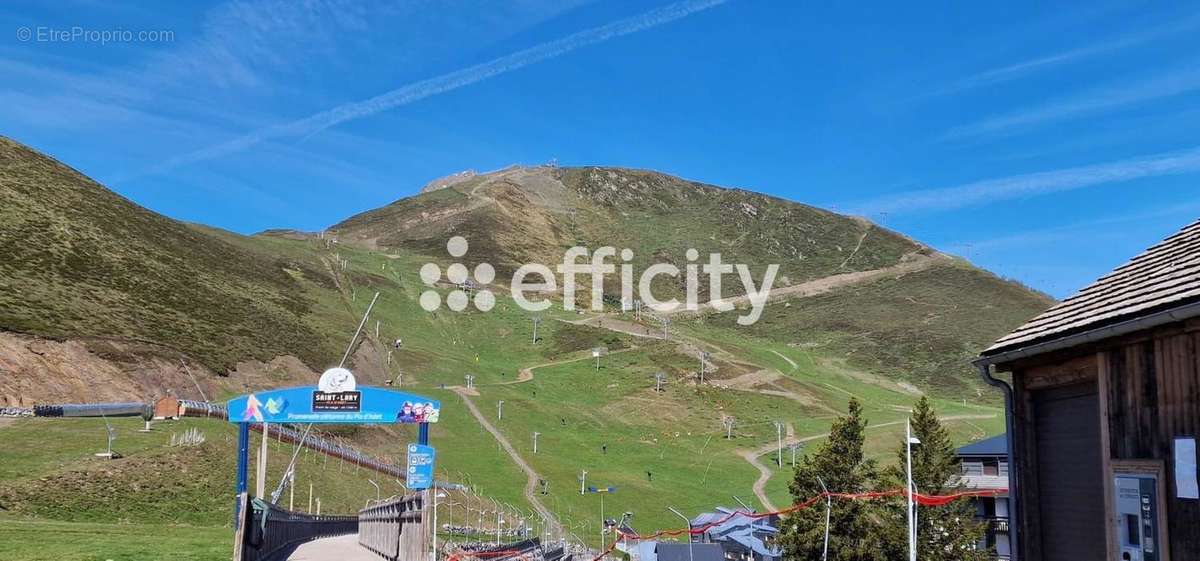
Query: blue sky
<point x="1049" y="144"/>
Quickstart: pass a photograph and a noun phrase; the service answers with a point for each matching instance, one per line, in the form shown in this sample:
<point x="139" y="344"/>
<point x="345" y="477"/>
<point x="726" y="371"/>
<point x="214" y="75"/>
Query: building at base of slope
<point x="984" y="467"/>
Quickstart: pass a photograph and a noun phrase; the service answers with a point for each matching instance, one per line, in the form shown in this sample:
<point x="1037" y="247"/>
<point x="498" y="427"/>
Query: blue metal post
<point x="423" y="434"/>
<point x="243" y="462"/>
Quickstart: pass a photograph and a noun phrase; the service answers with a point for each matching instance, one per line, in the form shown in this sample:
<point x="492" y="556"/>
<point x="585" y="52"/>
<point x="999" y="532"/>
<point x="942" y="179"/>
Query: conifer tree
<point x="842" y="466"/>
<point x="944" y="533"/>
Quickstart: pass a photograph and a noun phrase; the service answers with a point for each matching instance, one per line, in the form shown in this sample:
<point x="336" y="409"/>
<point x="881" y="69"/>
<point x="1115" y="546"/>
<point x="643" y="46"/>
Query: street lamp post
<point x="828" y="507"/>
<point x="689" y="530"/>
<point x="602" y="491"/>
<point x="779" y="437"/>
<point x="500" y="410"/>
<point x="909" y="441"/>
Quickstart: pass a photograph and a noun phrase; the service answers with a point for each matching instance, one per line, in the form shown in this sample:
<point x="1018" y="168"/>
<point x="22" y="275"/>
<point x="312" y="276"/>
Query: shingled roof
<point x="1164" y="277"/>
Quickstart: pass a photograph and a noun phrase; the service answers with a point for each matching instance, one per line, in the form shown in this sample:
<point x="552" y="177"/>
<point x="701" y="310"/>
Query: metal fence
<point x="93" y="410"/>
<point x="190" y="408"/>
<point x="271" y="533"/>
<point x="193" y="408"/>
<point x="396" y="529"/>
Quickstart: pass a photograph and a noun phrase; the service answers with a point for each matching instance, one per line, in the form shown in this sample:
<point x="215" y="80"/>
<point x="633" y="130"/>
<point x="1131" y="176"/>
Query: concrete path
<point x="341" y="548"/>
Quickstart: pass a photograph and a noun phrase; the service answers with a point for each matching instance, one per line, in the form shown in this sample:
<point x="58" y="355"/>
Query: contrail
<point x="983" y="192"/>
<point x="444" y="83"/>
<point x="1020" y="69"/>
<point x="1169" y="84"/>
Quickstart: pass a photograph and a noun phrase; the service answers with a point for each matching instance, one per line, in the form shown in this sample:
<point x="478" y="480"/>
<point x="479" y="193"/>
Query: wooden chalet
<point x="1105" y="413"/>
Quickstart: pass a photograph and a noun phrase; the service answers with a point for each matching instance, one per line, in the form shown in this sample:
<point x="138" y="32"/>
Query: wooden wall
<point x="1149" y="386"/>
<point x="1153" y="396"/>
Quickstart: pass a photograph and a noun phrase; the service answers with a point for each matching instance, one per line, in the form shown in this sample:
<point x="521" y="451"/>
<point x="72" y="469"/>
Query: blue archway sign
<point x="308" y="404"/>
<point x="336" y="399"/>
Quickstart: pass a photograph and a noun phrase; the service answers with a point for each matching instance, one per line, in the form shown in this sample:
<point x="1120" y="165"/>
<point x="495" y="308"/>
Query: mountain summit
<point x="82" y="261"/>
<point x="103" y="300"/>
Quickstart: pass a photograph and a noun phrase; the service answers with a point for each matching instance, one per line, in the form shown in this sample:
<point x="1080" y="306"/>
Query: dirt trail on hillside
<point x="688" y="345"/>
<point x="764" y="472"/>
<point x="746" y="382"/>
<point x="911" y="263"/>
<point x="749" y="381"/>
<point x="526" y="374"/>
<point x="531" y="476"/>
<point x="612" y="323"/>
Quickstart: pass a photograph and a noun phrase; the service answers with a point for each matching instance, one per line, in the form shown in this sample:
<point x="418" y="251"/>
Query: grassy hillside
<point x="45" y="540"/>
<point x="81" y="260"/>
<point x="660" y="217"/>
<point x="923" y="327"/>
<point x="154" y="483"/>
<point x="87" y="262"/>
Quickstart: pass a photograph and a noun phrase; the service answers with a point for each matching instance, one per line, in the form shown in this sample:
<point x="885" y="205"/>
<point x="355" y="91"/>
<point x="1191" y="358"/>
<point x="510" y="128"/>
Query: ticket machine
<point x="1136" y="517"/>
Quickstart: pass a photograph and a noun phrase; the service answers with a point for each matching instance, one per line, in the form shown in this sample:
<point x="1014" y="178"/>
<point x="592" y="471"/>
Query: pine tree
<point x="944" y="533"/>
<point x="842" y="466"/>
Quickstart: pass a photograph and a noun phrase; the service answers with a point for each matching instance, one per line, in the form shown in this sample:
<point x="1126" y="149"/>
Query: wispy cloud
<point x="1027" y="185"/>
<point x="441" y="84"/>
<point x="1164" y="85"/>
<point x="1090" y="229"/>
<point x="1026" y="67"/>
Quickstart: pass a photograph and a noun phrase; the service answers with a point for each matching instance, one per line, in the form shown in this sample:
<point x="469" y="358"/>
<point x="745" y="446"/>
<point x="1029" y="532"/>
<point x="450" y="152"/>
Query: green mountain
<point x="856" y="310"/>
<point x="80" y="260"/>
<point x="524" y="214"/>
<point x="880" y="300"/>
